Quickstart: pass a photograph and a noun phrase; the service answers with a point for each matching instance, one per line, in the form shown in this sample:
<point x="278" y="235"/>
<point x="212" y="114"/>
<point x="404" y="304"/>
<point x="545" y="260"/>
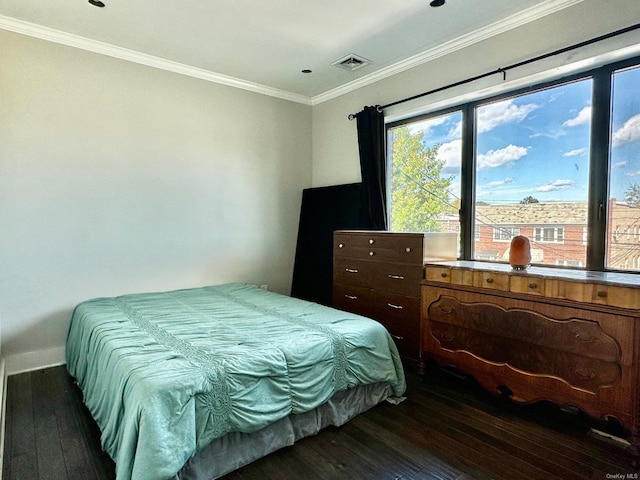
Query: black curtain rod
<point x="503" y="70"/>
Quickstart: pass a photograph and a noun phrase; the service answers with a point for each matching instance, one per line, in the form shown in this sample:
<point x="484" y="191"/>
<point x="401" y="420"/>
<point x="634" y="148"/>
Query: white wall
<point x="116" y="178"/>
<point x="335" y="147"/>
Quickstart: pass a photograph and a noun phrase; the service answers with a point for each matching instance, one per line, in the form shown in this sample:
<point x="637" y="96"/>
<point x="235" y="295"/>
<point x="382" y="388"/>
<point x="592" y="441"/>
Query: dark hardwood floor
<point x="448" y="428"/>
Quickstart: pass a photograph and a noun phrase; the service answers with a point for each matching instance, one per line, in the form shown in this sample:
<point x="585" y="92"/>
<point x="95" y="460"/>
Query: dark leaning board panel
<point x="448" y="428"/>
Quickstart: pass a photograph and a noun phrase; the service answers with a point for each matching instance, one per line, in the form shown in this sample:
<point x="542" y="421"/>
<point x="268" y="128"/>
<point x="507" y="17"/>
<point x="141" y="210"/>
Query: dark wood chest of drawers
<point x="378" y="274"/>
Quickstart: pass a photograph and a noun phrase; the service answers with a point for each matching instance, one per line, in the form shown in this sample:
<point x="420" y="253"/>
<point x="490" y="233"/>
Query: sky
<point x="538" y="144"/>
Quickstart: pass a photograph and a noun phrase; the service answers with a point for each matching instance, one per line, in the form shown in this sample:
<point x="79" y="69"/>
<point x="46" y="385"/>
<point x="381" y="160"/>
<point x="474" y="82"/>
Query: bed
<point x="195" y="383"/>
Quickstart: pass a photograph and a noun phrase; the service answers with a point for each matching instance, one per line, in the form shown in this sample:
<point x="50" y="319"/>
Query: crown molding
<point x="531" y="14"/>
<point x="83" y="43"/>
<point x="543" y="9"/>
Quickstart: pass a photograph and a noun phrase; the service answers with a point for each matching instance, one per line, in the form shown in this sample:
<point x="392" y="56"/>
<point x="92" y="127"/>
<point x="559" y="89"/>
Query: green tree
<point x="419" y="194"/>
<point x="632" y="195"/>
<point x="529" y="199"/>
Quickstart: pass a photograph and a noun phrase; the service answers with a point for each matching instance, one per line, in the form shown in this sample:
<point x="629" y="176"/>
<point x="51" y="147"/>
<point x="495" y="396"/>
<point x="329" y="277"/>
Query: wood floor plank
<point x="46" y="398"/>
<point x="102" y="465"/>
<point x="74" y="446"/>
<point x="24" y="460"/>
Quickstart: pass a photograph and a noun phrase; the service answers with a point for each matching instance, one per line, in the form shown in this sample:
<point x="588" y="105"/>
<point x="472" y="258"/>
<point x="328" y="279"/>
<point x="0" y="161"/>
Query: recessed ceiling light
<point x="436" y="3"/>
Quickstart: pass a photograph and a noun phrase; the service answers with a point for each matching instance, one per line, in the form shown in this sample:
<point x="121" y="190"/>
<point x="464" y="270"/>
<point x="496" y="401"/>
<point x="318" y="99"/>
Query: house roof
<point x="555" y="213"/>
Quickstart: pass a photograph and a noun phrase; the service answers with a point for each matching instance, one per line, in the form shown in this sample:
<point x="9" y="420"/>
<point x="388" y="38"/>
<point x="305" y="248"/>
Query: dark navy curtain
<point x="373" y="168"/>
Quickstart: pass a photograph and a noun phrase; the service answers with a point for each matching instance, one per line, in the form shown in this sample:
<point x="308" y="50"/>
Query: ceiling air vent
<point x="351" y="62"/>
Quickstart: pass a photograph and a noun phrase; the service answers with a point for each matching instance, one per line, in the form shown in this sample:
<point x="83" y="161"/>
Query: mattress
<point x="165" y="374"/>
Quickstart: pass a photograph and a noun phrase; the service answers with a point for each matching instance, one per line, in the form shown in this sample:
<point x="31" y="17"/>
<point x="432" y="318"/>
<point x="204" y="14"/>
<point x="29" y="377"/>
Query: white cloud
<point x="583" y="117"/>
<point x="451" y="153"/>
<point x="495" y="114"/>
<point x="498" y="183"/>
<point x="634" y="174"/>
<point x="555" y="185"/>
<point x="427" y="125"/>
<point x="456" y="131"/>
<point x="575" y="153"/>
<point x="496" y="158"/>
<point x="621" y="164"/>
<point x="628" y="133"/>
<point x="554" y="133"/>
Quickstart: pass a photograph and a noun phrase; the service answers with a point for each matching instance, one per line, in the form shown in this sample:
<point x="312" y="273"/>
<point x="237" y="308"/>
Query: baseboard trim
<point x="30" y="361"/>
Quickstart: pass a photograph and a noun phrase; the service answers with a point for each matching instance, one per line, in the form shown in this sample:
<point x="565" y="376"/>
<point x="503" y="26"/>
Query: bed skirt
<point x="237" y="449"/>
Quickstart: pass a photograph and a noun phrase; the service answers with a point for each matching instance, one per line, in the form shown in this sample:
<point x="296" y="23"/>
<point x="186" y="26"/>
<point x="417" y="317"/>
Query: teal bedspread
<point x="164" y="374"/>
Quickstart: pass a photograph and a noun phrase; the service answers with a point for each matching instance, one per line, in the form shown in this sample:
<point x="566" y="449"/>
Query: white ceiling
<point x="263" y="46"/>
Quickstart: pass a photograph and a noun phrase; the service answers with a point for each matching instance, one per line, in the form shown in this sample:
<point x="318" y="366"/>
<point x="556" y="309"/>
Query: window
<point x="624" y="171"/>
<point x="549" y="234"/>
<point x="505" y="234"/>
<point x="536" y="162"/>
<point x="532" y="166"/>
<point x="424" y="160"/>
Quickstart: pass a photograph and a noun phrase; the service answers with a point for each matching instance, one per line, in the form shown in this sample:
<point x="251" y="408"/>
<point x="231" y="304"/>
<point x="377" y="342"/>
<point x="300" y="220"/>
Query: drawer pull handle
<point x="371" y="254"/>
<point x="351" y="297"/>
<point x="582" y="339"/>
<point x="602" y="294"/>
<point x="446" y="309"/>
<point x="351" y="270"/>
<point x="489" y="280"/>
<point x="396" y="277"/>
<point x="371" y="241"/>
<point x="533" y="286"/>
<point x="446" y="338"/>
<point x="443" y="275"/>
<point x="408" y="249"/>
<point x="341" y="245"/>
<point x="397" y="337"/>
<point x="585" y="375"/>
<point x="397" y="307"/>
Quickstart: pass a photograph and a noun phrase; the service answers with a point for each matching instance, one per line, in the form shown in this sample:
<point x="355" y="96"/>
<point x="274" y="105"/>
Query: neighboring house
<point x="557" y="231"/>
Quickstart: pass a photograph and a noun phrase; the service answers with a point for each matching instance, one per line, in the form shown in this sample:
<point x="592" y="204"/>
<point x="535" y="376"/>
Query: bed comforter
<point x="164" y="374"/>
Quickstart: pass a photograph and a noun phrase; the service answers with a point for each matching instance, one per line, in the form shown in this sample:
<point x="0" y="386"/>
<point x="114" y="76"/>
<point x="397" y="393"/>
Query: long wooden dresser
<point x="572" y="337"/>
<point x="378" y="274"/>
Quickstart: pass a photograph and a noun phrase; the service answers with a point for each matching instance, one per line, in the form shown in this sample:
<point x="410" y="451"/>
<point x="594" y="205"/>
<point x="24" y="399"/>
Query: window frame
<point x="599" y="158"/>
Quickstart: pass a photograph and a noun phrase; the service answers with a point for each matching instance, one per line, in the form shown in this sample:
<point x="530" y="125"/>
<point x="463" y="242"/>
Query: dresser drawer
<point x="574" y="335"/>
<point x="407" y="339"/>
<point x="624" y="297"/>
<point x="373" y="240"/>
<point x="437" y="274"/>
<point x="352" y="272"/>
<point x="341" y="245"/>
<point x="396" y="309"/>
<point x="612" y="295"/>
<point x="390" y="247"/>
<point x="587" y="373"/>
<point x="410" y="249"/>
<point x="492" y="280"/>
<point x="530" y="285"/>
<point x="397" y="278"/>
<point x="352" y="299"/>
<point x="374" y="253"/>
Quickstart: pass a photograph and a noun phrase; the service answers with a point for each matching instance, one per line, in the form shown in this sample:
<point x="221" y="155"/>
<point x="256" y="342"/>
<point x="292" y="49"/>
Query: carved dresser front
<point x="568" y="336"/>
